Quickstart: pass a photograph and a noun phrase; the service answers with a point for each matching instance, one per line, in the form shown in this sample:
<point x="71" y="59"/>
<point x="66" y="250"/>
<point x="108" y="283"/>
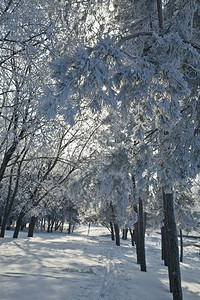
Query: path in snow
<point x="80" y="267"/>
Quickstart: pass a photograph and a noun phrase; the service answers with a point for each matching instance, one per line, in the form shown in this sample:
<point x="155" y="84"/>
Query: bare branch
<point x="160" y="15"/>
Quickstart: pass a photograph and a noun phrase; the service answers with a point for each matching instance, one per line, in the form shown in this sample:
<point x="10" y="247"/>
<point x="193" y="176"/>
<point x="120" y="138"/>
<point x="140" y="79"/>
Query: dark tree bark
<point x="7" y="206"/>
<point x="165" y="245"/>
<point x="116" y="227"/>
<point x="18" y="224"/>
<point x="124" y="234"/>
<point x="49" y="223"/>
<point x="52" y="224"/>
<point x="9" y="153"/>
<point x="42" y="224"/>
<point x="23" y="226"/>
<point x="61" y="227"/>
<point x="32" y="226"/>
<point x="181" y="245"/>
<point x="6" y="159"/>
<point x="132" y="237"/>
<point x="145" y="221"/>
<point x="142" y="237"/>
<point x="8" y="227"/>
<point x="69" y="228"/>
<point x="88" y="228"/>
<point x="162" y="243"/>
<point x="3" y="228"/>
<point x="137" y="242"/>
<point x="11" y="197"/>
<point x="174" y="265"/>
<point x="160" y="15"/>
<point x="112" y="231"/>
<point x="56" y="225"/>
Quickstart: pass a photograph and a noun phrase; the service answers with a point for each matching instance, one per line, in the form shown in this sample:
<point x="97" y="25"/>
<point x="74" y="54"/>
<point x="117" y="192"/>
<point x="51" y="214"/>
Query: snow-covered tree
<point x="156" y="73"/>
<point x="29" y="37"/>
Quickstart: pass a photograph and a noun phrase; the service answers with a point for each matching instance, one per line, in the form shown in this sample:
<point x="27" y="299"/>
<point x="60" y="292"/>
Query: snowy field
<point x="79" y="267"/>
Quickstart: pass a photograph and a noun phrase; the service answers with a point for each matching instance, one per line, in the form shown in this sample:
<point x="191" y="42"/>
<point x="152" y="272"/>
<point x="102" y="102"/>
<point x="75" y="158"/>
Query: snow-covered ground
<point x="79" y="267"/>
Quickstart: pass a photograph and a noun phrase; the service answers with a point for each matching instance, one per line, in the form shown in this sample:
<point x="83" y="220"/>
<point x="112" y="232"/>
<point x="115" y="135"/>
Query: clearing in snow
<point x="59" y="266"/>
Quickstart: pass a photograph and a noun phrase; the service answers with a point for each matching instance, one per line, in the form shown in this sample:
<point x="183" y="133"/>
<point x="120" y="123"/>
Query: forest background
<point x="99" y="107"/>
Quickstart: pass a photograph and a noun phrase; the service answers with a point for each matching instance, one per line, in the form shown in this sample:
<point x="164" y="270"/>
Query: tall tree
<point x="155" y="72"/>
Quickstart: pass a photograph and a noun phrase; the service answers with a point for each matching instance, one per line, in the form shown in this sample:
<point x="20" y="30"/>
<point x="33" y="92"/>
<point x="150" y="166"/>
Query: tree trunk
<point x="124" y="235"/>
<point x="41" y="225"/>
<point x="57" y="225"/>
<point x="181" y="246"/>
<point x="132" y="237"/>
<point x="32" y="226"/>
<point x="160" y="16"/>
<point x="11" y="195"/>
<point x="52" y="223"/>
<point x="174" y="265"/>
<point x="22" y="226"/>
<point x="8" y="225"/>
<point x="6" y="210"/>
<point x="61" y="227"/>
<point x="6" y="159"/>
<point x="165" y="245"/>
<point x="49" y="223"/>
<point x="88" y="228"/>
<point x="162" y="243"/>
<point x="145" y="221"/>
<point x="17" y="228"/>
<point x="142" y="237"/>
<point x="112" y="231"/>
<point x="137" y="242"/>
<point x="69" y="228"/>
<point x="3" y="227"/>
<point x="116" y="227"/>
<point x="9" y="203"/>
<point x="44" y="224"/>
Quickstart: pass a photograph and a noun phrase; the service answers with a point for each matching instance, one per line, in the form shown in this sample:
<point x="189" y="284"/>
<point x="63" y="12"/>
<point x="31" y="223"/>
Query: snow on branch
<point x="149" y="33"/>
